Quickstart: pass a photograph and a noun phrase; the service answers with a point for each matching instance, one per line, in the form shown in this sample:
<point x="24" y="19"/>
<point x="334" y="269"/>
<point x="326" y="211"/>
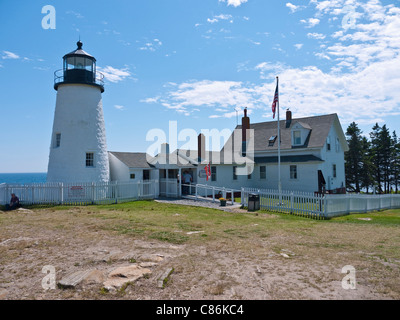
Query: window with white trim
<point x="296" y="138"/>
<point x="293" y="172"/>
<point x="213" y="173"/>
<point x="89" y="159"/>
<point x="263" y="172"/>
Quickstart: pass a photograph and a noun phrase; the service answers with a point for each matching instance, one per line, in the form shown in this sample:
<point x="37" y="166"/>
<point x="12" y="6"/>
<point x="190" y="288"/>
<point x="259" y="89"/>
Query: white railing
<point x="205" y="192"/>
<point x="79" y="193"/>
<point x="320" y="206"/>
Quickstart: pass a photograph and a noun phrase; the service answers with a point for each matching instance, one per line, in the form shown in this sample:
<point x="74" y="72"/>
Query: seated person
<point x="14" y="203"/>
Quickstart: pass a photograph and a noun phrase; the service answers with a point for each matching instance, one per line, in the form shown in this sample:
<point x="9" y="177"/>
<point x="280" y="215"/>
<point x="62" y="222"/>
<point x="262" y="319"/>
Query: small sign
<point x="76" y="192"/>
<point x="202" y="173"/>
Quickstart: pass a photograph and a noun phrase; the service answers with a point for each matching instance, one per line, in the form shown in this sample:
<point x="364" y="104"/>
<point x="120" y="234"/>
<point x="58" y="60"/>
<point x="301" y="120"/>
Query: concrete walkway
<point x="201" y="202"/>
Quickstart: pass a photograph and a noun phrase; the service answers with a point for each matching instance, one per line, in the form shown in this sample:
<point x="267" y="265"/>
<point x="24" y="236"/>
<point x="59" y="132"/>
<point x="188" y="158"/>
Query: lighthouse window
<point x="71" y="63"/>
<point x="89" y="159"/>
<point x="58" y="140"/>
<point x="80" y="62"/>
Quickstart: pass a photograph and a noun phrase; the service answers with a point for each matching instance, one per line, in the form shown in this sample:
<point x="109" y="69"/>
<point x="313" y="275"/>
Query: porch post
<point x="167" y="183"/>
<point x="180" y="183"/>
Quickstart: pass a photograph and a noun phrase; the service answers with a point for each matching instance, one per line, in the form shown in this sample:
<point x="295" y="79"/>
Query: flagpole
<point x="279" y="150"/>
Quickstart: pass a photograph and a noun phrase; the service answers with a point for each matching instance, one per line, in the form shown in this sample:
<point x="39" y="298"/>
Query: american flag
<point x="276" y="99"/>
<point x="208" y="171"/>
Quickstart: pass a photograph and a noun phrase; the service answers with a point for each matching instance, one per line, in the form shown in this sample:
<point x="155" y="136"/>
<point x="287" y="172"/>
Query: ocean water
<point x="23" y="178"/>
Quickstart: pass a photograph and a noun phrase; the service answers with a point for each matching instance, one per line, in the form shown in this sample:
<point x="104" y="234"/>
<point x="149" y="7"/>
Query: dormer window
<point x="296" y="138"/>
<point x="300" y="133"/>
<point x="271" y="141"/>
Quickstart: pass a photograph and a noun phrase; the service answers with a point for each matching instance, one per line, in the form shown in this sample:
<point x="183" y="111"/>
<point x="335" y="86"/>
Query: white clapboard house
<point x="312" y="159"/>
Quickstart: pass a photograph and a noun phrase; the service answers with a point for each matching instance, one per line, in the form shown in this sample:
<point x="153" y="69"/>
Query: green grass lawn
<point x="171" y="223"/>
<point x="209" y="242"/>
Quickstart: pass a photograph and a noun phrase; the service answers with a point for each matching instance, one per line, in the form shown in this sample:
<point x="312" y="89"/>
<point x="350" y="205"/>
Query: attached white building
<point x="312" y="158"/>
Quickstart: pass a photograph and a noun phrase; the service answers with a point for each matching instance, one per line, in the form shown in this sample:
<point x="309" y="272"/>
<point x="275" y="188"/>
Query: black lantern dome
<point x="79" y="67"/>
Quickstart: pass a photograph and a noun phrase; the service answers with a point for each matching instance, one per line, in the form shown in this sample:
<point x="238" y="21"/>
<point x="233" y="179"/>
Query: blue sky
<point x="194" y="62"/>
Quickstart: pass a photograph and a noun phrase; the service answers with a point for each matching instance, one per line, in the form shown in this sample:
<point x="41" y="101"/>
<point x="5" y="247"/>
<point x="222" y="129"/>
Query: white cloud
<point x="293" y="8"/>
<point x="315" y="35"/>
<point x="298" y="46"/>
<point x="118" y="107"/>
<point x="311" y="22"/>
<point x="9" y="55"/>
<point x="113" y="74"/>
<point x="219" y="17"/>
<point x="359" y="79"/>
<point x="235" y="3"/>
<point x="190" y="96"/>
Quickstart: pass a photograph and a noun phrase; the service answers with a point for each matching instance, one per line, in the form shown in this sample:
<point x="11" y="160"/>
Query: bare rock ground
<point x="115" y="266"/>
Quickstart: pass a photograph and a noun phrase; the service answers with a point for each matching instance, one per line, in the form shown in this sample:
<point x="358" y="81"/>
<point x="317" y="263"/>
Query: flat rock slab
<point x="95" y="276"/>
<point x="123" y="275"/>
<point x="22" y="210"/>
<point x="164" y="277"/>
<point x="151" y="258"/>
<point x="74" y="279"/>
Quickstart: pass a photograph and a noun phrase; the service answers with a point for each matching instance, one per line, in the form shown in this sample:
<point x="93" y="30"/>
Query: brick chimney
<point x="245" y="127"/>
<point x="288" y="118"/>
<point x="201" y="147"/>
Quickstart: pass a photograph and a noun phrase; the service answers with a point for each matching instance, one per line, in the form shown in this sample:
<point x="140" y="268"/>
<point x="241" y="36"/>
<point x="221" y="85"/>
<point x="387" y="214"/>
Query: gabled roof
<point x="304" y="125"/>
<point x="319" y="126"/>
<point x="134" y="159"/>
<point x="176" y="159"/>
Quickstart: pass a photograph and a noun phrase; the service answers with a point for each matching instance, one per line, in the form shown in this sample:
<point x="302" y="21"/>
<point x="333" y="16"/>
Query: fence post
<point x="213" y="193"/>
<point x="116" y="192"/>
<point x="196" y="191"/>
<point x="348" y="204"/>
<point x="242" y="196"/>
<point x="291" y="202"/>
<point x="62" y="193"/>
<point x="93" y="192"/>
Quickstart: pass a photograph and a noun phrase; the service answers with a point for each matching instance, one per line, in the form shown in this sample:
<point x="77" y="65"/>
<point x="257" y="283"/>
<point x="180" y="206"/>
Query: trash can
<point x="253" y="202"/>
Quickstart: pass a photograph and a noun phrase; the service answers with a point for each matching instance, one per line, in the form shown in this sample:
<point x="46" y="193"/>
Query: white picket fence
<point x="320" y="206"/>
<point x="79" y="193"/>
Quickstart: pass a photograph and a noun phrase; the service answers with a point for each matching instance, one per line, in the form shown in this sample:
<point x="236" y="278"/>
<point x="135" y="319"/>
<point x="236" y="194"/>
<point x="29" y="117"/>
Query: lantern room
<point x="79" y="67"/>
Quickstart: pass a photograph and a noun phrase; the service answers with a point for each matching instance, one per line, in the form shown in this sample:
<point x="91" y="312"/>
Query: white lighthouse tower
<point x="78" y="151"/>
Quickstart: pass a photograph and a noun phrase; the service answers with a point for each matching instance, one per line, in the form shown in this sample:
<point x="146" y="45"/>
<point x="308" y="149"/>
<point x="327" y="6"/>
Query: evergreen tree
<point x="381" y="156"/>
<point x="395" y="161"/>
<point x="353" y="158"/>
<point x="376" y="155"/>
<point x="386" y="147"/>
<point x="367" y="166"/>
